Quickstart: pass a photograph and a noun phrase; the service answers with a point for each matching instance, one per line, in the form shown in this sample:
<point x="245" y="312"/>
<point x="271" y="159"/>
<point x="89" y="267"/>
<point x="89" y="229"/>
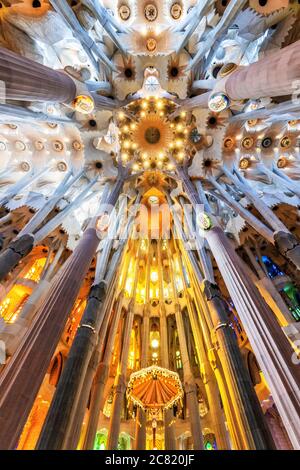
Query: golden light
<point x="183" y="114"/>
<point x="143" y="114"/>
<point x="155" y="355"/>
<point x="126" y="144"/>
<point x="144" y="155"/>
<point x="154" y="276"/>
<point x="179" y="127"/>
<point x="121" y="115"/>
<point x="128" y="285"/>
<point x="161" y="155"/>
<point x="170" y="166"/>
<point x="133" y="126"/>
<point x="144" y="105"/>
<point x="125" y="129"/>
<point x="146" y="164"/>
<point x="159" y="104"/>
<point x="154" y="343"/>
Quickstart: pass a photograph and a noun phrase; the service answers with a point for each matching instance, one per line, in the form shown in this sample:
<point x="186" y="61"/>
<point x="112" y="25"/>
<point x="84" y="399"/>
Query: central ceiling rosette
<point x="152" y="135"/>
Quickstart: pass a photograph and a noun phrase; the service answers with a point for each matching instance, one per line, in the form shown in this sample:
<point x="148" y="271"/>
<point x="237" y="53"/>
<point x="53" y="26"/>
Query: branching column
<point x="271" y="347"/>
<point x="26" y="80"/>
<point x="254" y="432"/>
<point x="22" y="377"/>
<point x="57" y="428"/>
<point x="273" y="75"/>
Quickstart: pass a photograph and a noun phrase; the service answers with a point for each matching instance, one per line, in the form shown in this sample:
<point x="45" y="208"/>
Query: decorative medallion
<point x="152" y="135"/>
<point x="124" y="12"/>
<point x="175" y="70"/>
<point x="151" y="12"/>
<point x="247" y="143"/>
<point x="285" y="142"/>
<point x="282" y="162"/>
<point x="228" y="143"/>
<point x="266" y="7"/>
<point x="62" y="166"/>
<point x="127" y="71"/>
<point x="25" y="166"/>
<point x="38" y="144"/>
<point x="76" y="145"/>
<point x="20" y="146"/>
<point x="267" y="142"/>
<point x="252" y="122"/>
<point x="152" y="84"/>
<point x="176" y="11"/>
<point x="216" y="120"/>
<point x="204" y="221"/>
<point x="218" y="102"/>
<point x="84" y="104"/>
<point x="151" y="44"/>
<point x="58" y="146"/>
<point x="244" y="163"/>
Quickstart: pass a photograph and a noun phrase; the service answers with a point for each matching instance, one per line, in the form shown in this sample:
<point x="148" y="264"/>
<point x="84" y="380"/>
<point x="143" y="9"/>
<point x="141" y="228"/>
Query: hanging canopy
<point x="154" y="387"/>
